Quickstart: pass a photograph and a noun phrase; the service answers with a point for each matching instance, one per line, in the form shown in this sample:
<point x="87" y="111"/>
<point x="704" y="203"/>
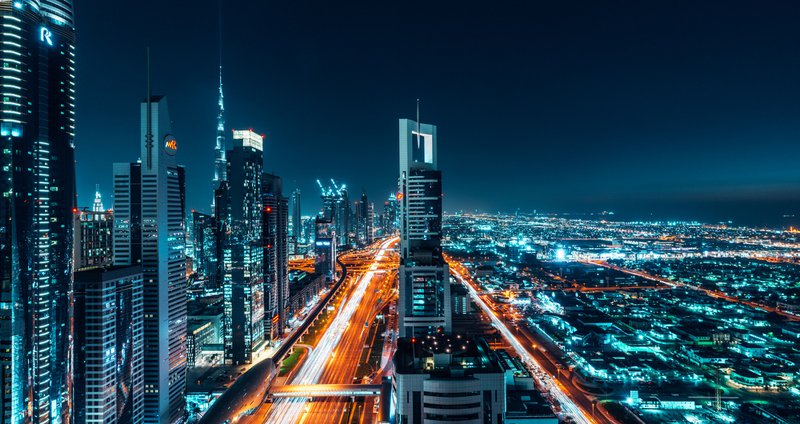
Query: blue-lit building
<point x="243" y="287"/>
<point x="37" y="181"/>
<point x="276" y="260"/>
<point x="149" y="210"/>
<point x="424" y="304"/>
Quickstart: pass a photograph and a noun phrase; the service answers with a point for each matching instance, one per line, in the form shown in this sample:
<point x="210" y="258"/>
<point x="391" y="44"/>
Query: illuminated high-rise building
<point x="243" y="287"/>
<point x="220" y="162"/>
<point x="297" y="219"/>
<point x="149" y="210"/>
<point x="276" y="260"/>
<point x="424" y="300"/>
<point x="37" y="181"/>
<point x="389" y="217"/>
<point x="93" y="238"/>
<point x="109" y="386"/>
<point x="364" y="221"/>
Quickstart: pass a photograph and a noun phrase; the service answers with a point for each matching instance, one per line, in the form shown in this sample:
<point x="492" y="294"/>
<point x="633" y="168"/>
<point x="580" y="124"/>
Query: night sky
<point x="649" y="109"/>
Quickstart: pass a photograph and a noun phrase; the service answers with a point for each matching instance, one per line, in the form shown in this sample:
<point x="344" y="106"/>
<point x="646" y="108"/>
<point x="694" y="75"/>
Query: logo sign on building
<point x="170" y="145"/>
<point x="45" y="36"/>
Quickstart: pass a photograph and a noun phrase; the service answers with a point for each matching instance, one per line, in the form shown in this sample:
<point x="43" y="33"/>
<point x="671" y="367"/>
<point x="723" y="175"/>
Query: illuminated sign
<point x="399" y="196"/>
<point x="45" y="36"/>
<point x="249" y="139"/>
<point x="170" y="145"/>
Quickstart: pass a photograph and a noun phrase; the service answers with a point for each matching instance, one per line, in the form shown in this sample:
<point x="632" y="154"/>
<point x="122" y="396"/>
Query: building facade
<point x="93" y="238"/>
<point x="276" y="263"/>
<point x="441" y="378"/>
<point x="424" y="304"/>
<point x="149" y="205"/>
<point x="243" y="288"/>
<point x="37" y="181"/>
<point x="108" y="375"/>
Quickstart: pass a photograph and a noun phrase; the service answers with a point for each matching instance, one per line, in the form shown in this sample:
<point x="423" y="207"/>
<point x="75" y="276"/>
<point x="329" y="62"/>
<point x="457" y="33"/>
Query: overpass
<point x="325" y="390"/>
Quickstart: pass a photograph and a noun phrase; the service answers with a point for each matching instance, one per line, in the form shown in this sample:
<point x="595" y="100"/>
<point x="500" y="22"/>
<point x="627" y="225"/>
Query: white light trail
<point x="567" y="405"/>
<point x="289" y="410"/>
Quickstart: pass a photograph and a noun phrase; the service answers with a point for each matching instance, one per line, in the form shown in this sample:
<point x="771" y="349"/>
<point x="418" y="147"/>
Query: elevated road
<point x="325" y="390"/>
<point x="250" y="390"/>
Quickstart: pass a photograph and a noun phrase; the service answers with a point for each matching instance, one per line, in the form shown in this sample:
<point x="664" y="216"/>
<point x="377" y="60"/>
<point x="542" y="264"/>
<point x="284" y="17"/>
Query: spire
<point x="98" y="200"/>
<point x="419" y="134"/>
<point x="220" y="163"/>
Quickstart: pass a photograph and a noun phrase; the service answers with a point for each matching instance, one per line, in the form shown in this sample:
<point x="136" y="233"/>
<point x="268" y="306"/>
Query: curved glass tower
<point x="37" y="197"/>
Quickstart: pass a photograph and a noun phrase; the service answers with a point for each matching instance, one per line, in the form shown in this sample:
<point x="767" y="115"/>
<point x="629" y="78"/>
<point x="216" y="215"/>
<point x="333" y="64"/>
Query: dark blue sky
<point x="651" y="109"/>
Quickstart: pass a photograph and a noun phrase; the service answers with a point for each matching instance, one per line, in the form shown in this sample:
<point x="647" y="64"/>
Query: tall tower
<point x="297" y="216"/>
<point x="220" y="163"/>
<point x="424" y="298"/>
<point x="37" y="181"/>
<point x="276" y="266"/>
<point x="243" y="289"/>
<point x="149" y="200"/>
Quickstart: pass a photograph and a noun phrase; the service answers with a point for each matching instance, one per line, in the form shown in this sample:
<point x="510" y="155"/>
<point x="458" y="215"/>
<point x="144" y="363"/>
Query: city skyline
<point x="655" y="129"/>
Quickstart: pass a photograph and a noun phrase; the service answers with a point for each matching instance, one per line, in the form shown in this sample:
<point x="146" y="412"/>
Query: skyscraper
<point x="424" y="298"/>
<point x="220" y="163"/>
<point x="297" y="219"/>
<point x="276" y="264"/>
<point x="37" y="181"/>
<point x="243" y="289"/>
<point x="364" y="220"/>
<point x="93" y="238"/>
<point x="389" y="219"/>
<point x="109" y="386"/>
<point x="149" y="205"/>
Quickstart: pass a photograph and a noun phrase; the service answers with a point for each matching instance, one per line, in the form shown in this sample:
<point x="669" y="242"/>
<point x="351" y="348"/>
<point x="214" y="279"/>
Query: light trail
<point x="290" y="410"/>
<point x="567" y="405"/>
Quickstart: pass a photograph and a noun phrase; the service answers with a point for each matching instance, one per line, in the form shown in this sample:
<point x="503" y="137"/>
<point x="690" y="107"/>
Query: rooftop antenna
<point x="419" y="134"/>
<point x="149" y="136"/>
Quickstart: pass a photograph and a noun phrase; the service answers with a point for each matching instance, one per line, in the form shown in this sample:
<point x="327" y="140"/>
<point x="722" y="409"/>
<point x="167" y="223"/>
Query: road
<point x="337" y="352"/>
<point x="556" y="389"/>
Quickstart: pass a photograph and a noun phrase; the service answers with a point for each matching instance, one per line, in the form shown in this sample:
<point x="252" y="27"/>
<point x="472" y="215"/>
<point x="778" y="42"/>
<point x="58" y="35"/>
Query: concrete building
<point x="424" y="303"/>
<point x="440" y="378"/>
<point x="108" y="377"/>
<point x="93" y="238"/>
<point x="149" y="210"/>
<point x="324" y="248"/>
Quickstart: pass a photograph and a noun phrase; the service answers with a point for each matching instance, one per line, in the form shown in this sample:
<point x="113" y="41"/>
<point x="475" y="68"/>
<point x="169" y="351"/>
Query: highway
<point x="558" y="391"/>
<point x="335" y="357"/>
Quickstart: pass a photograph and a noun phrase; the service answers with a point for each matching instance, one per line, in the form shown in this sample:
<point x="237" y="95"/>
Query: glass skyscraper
<point x="37" y="181"/>
<point x="243" y="288"/>
<point x="149" y="210"/>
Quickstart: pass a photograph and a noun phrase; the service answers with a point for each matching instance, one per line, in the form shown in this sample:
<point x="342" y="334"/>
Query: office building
<point x="297" y="236"/>
<point x="443" y="378"/>
<point x="336" y="208"/>
<point x="108" y="379"/>
<point x="364" y="221"/>
<point x="93" y="238"/>
<point x="37" y="181"/>
<point x="276" y="259"/>
<point x="243" y="288"/>
<point x="424" y="304"/>
<point x="207" y="249"/>
<point x="149" y="205"/>
<point x="389" y="216"/>
<point x="324" y="248"/>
